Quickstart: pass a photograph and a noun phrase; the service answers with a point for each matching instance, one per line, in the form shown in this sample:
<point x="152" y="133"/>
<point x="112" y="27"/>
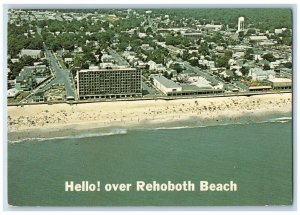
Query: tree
<point x="222" y="61"/>
<point x="149" y="30"/>
<point x="204" y="49"/>
<point x="266" y="67"/>
<point x="251" y="31"/>
<point x="194" y="62"/>
<point x="85" y="66"/>
<point x="27" y="60"/>
<point x="185" y="55"/>
<point x="228" y="54"/>
<point x="249" y="54"/>
<point x="166" y="74"/>
<point x="244" y="70"/>
<point x="45" y="62"/>
<point x="288" y="65"/>
<point x="177" y="67"/>
<point x="241" y="35"/>
<point x="77" y="61"/>
<point x="269" y="57"/>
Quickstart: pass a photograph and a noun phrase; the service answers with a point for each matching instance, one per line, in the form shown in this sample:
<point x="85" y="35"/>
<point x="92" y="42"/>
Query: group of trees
<point x="17" y="40"/>
<point x="262" y="18"/>
<point x="284" y="38"/>
<point x="176" y="40"/>
<point x="222" y="60"/>
<point x="204" y="49"/>
<point x="158" y="55"/>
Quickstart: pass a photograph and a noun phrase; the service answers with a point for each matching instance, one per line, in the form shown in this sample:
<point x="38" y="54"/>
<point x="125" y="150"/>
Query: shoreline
<point x="60" y="120"/>
<point x="77" y="133"/>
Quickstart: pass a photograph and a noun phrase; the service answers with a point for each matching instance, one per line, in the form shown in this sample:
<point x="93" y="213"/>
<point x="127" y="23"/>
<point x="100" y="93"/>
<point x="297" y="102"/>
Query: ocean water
<point x="256" y="156"/>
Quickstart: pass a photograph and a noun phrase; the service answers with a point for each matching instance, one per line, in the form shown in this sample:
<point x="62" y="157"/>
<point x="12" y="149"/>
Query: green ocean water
<point x="256" y="156"/>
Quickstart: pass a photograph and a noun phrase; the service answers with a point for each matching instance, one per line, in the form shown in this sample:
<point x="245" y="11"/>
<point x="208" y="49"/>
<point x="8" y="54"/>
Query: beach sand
<point x="63" y="119"/>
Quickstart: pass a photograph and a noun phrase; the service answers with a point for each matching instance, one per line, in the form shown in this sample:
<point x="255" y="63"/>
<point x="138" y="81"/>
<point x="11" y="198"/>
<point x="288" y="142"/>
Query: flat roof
<point x="194" y="33"/>
<point x="192" y="88"/>
<point x="166" y="82"/>
<point x="104" y="70"/>
<point x="278" y="80"/>
<point x="258" y="37"/>
<point x="30" y="51"/>
<point x="188" y="88"/>
<point x="260" y="87"/>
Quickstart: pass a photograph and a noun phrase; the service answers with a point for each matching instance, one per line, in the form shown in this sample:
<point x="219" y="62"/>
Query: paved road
<point x="119" y="60"/>
<point x="62" y="76"/>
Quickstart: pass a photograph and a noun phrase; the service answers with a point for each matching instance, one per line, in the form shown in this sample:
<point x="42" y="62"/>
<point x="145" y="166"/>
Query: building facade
<point x="109" y="83"/>
<point x="165" y="85"/>
<point x="32" y="53"/>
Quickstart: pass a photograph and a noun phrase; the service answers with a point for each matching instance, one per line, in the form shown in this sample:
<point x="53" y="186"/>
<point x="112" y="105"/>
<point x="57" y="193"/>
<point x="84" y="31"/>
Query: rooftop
<point x="166" y="82"/>
<point x="103" y="70"/>
<point x="278" y="80"/>
<point x="258" y="38"/>
<point x="30" y="52"/>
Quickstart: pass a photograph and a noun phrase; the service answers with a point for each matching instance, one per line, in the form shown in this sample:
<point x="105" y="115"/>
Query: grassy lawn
<point x="62" y="63"/>
<point x="21" y="96"/>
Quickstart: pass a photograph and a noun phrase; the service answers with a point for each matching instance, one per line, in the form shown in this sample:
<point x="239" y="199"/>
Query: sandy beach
<point x="36" y="120"/>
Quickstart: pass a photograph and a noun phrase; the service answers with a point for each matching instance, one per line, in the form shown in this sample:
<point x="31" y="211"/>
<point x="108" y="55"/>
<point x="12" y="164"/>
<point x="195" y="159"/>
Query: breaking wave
<point x="165" y="127"/>
<point x="242" y="122"/>
<point x="280" y="119"/>
<point x="79" y="136"/>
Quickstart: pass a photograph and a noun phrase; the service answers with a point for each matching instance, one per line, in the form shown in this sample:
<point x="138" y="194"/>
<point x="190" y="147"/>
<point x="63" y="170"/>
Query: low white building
<point x="209" y="27"/>
<point x="259" y="74"/>
<point x="281" y="83"/>
<point x="32" y="53"/>
<point x="68" y="60"/>
<point x="142" y="35"/>
<point x="280" y="30"/>
<point x="152" y="65"/>
<point x="15" y="60"/>
<point x="258" y="38"/>
<point x="12" y="93"/>
<point x="165" y="85"/>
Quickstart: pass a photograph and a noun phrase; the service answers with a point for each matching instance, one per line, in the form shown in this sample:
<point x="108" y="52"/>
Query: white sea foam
<point x="280" y="119"/>
<point x="79" y="136"/>
<point x="172" y="128"/>
<point x="195" y="126"/>
<point x="124" y="131"/>
<point x="276" y="120"/>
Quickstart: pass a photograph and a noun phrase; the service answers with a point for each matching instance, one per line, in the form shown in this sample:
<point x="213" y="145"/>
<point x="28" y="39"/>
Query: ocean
<point x="256" y="156"/>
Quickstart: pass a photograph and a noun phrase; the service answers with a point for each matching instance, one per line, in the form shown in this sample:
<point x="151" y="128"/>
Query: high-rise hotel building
<point x="109" y="83"/>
